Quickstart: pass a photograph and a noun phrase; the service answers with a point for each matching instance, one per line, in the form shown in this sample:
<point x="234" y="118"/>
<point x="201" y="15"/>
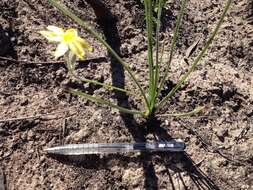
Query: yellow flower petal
<point x="84" y="44"/>
<point x="56" y="30"/>
<point x="61" y="49"/>
<point x="72" y="32"/>
<point x="77" y="49"/>
<point x="70" y="35"/>
<point x="51" y="36"/>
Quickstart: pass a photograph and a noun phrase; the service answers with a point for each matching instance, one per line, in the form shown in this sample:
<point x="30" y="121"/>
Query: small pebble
<point x="133" y="176"/>
<point x="24" y="102"/>
<point x="221" y="134"/>
<point x="30" y="135"/>
<point x="2" y="130"/>
<point x="166" y="122"/>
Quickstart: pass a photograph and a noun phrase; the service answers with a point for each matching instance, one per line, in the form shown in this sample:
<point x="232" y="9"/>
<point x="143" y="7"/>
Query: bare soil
<point x="219" y="141"/>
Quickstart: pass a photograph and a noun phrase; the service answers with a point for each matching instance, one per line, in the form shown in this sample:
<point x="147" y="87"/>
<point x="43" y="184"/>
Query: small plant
<point x="73" y="47"/>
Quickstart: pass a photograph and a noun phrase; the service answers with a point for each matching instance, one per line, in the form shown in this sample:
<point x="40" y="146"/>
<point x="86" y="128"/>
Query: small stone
<point x="249" y="112"/>
<point x="30" y="152"/>
<point x="133" y="176"/>
<point x="24" y="136"/>
<point x="8" y="100"/>
<point x="13" y="39"/>
<point x="221" y="134"/>
<point x="66" y="83"/>
<point x="60" y="72"/>
<point x="30" y="135"/>
<point x="2" y="130"/>
<point x="24" y="102"/>
<point x="42" y="158"/>
<point x="160" y="169"/>
<point x="79" y="136"/>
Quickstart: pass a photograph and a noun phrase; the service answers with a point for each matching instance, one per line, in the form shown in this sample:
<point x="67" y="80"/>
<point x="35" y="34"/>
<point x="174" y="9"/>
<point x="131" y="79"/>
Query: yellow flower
<point x="68" y="40"/>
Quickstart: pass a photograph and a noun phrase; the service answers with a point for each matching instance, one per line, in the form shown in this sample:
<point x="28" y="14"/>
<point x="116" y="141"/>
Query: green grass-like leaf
<point x="199" y="57"/>
<point x="104" y="102"/>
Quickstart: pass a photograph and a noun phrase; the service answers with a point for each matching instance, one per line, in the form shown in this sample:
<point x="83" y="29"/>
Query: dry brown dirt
<point x="219" y="141"/>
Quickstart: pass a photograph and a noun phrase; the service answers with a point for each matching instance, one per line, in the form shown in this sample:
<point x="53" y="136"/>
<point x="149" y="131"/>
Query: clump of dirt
<point x="219" y="151"/>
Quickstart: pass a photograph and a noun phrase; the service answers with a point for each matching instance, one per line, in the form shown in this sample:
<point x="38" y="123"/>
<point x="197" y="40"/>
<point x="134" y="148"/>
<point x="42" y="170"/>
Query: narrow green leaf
<point x="104" y="102"/>
<point x="199" y="57"/>
<point x="184" y="114"/>
<point x="149" y="24"/>
<point x="173" y="45"/>
<point x="160" y="4"/>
